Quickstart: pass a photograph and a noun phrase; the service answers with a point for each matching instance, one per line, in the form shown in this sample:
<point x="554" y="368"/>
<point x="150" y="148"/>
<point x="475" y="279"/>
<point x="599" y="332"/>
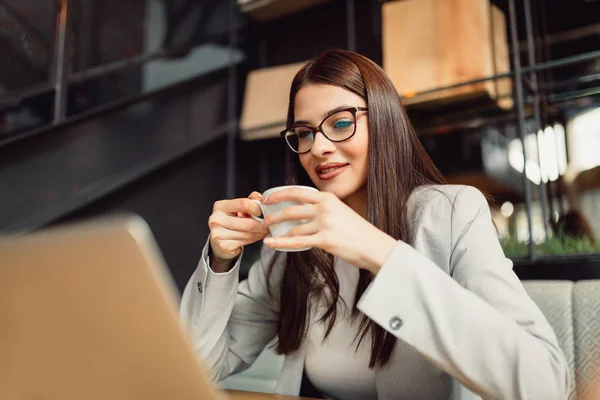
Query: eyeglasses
<point x="336" y="127"/>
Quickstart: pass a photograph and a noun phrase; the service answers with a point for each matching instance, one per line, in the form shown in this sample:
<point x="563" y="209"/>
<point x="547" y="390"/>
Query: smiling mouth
<point x="331" y="172"/>
<point x="327" y="170"/>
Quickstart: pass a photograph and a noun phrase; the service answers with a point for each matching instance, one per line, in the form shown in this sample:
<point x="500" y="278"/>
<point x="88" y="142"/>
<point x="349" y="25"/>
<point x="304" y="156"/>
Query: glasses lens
<point x="300" y="139"/>
<point x="339" y="126"/>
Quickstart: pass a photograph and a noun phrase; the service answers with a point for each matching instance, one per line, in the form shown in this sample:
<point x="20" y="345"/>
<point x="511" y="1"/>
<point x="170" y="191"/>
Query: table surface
<point x="237" y="395"/>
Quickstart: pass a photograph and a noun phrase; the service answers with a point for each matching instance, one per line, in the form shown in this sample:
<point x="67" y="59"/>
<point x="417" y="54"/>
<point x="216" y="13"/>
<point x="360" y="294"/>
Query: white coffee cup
<point x="281" y="228"/>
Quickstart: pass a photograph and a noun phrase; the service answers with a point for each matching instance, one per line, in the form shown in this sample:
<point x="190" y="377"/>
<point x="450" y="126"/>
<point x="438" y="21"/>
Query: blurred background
<point x="162" y="107"/>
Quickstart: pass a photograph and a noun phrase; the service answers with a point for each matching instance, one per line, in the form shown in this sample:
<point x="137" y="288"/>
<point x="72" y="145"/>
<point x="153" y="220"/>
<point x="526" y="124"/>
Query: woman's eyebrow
<point x="325" y="114"/>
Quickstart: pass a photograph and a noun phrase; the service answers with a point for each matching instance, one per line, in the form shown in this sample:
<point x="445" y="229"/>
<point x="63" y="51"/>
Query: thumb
<point x="256" y="196"/>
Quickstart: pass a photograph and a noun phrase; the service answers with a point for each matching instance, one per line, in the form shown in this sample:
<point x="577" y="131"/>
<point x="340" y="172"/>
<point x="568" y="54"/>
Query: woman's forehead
<point x="313" y="101"/>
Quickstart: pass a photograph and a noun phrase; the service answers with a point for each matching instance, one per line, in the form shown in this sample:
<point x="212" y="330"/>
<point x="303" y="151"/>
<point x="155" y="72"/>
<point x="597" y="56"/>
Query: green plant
<point x="557" y="245"/>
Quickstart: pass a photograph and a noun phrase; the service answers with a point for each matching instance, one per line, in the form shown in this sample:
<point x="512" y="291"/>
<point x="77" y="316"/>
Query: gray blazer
<point x="464" y="322"/>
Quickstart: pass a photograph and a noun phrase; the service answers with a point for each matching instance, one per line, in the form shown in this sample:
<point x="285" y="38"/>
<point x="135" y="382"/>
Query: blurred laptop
<point x="89" y="311"/>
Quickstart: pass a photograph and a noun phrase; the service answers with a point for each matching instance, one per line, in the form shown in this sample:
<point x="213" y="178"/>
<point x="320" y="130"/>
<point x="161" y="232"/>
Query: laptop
<point x="89" y="311"/>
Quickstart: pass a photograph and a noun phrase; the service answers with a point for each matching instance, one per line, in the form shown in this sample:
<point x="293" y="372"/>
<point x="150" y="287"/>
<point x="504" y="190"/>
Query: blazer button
<point x="395" y="323"/>
<point x="200" y="287"/>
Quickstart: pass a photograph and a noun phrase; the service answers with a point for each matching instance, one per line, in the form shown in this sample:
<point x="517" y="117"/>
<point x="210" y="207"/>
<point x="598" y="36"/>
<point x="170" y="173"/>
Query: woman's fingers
<point x="223" y="234"/>
<point x="231" y="226"/>
<point x="301" y="236"/>
<point x="256" y="196"/>
<point x="232" y="246"/>
<point x="291" y="213"/>
<point x="307" y="229"/>
<point x="252" y="196"/>
<point x="235" y="223"/>
<point x="235" y="206"/>
<point x="296" y="194"/>
<point x="296" y="242"/>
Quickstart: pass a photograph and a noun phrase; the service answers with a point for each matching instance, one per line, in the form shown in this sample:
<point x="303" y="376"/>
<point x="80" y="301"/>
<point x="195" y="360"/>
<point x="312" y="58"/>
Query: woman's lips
<point x="332" y="172"/>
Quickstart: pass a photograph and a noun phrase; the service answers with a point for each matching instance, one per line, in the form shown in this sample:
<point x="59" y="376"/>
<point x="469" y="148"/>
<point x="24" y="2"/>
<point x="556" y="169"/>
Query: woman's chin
<point x="340" y="193"/>
<point x="341" y="189"/>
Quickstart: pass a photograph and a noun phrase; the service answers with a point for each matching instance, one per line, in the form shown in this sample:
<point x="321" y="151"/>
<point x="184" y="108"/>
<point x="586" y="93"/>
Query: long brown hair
<point x="397" y="165"/>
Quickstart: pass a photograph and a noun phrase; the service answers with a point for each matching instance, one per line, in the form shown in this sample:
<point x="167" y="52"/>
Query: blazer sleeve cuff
<point x="217" y="281"/>
<point x="412" y="298"/>
<point x="391" y="299"/>
<point x="208" y="292"/>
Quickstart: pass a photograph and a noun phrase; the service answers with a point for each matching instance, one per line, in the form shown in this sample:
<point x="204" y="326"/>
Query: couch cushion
<point x="555" y="300"/>
<point x="586" y="312"/>
<point x="573" y="311"/>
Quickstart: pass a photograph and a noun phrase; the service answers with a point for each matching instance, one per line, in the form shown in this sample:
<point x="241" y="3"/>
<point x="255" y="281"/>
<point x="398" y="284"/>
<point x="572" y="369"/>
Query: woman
<point x="406" y="290"/>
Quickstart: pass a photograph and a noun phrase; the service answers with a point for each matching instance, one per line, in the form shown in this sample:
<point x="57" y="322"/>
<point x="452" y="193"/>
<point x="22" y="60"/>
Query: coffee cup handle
<point x="261" y="209"/>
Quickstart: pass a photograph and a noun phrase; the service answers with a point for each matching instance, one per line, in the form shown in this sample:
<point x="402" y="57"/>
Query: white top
<point x="334" y="366"/>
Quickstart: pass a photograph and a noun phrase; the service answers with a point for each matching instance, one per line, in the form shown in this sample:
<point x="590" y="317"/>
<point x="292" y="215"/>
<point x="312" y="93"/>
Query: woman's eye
<point x="304" y="134"/>
<point x="342" y="124"/>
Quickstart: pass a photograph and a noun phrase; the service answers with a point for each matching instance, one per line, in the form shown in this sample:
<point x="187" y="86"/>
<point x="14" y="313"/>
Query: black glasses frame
<point x="319" y="128"/>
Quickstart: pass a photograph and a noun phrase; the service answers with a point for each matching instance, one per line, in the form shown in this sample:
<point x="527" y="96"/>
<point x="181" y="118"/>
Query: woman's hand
<point x="332" y="226"/>
<point x="232" y="227"/>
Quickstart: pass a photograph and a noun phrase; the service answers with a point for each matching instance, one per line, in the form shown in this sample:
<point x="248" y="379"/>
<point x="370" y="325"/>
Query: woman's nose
<point x="322" y="146"/>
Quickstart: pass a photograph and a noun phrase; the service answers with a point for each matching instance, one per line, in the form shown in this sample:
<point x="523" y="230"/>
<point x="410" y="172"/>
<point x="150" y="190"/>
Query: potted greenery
<point x="559" y="245"/>
<point x="560" y="257"/>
